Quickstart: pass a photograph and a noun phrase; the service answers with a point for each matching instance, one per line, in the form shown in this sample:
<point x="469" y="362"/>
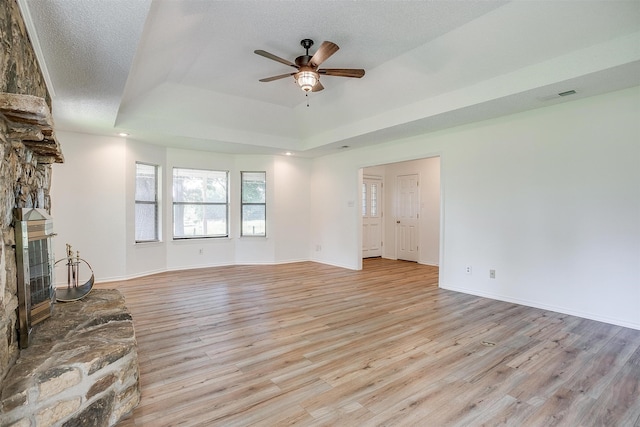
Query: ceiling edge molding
<point x="35" y="43"/>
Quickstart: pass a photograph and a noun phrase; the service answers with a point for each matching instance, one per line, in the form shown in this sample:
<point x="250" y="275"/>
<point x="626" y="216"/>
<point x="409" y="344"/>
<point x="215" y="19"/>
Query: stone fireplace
<point x="78" y="364"/>
<point x="29" y="148"/>
<point x="25" y="172"/>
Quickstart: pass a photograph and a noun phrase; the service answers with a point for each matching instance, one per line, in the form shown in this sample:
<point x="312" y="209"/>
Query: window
<point x="146" y="203"/>
<point x="372" y="208"/>
<point x="254" y="204"/>
<point x="200" y="203"/>
<point x="364" y="199"/>
<point x="374" y="200"/>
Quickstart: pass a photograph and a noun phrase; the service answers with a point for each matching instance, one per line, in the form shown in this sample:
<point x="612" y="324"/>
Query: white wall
<point x="336" y="225"/>
<point x="93" y="208"/>
<point x="549" y="198"/>
<point x="290" y="216"/>
<point x="430" y="211"/>
<point x="88" y="201"/>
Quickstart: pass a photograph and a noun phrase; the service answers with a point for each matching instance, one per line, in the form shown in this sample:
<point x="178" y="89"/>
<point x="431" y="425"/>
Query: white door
<point x="371" y="217"/>
<point x="407" y="217"/>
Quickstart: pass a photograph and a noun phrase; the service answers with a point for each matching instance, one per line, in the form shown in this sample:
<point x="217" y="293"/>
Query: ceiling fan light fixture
<point x="307" y="80"/>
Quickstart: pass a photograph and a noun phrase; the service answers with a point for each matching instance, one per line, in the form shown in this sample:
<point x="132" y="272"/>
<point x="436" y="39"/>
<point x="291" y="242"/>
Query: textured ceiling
<point x="183" y="73"/>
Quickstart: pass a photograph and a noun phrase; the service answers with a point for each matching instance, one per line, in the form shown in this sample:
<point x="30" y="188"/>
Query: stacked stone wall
<point x="19" y="68"/>
<point x="24" y="182"/>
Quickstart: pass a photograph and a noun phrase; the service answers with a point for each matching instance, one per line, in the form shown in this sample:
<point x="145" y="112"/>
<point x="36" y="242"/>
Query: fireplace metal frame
<point x="35" y="262"/>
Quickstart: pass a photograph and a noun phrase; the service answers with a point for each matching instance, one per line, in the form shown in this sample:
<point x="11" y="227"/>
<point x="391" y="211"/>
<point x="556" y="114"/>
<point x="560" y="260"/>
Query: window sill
<point x="188" y="240"/>
<point x="149" y="243"/>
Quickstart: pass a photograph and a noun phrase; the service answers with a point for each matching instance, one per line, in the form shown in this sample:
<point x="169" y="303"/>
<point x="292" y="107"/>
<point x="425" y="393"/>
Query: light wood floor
<point x="313" y="345"/>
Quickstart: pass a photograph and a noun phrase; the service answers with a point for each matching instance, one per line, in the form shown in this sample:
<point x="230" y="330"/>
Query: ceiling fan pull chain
<point x="307" y="96"/>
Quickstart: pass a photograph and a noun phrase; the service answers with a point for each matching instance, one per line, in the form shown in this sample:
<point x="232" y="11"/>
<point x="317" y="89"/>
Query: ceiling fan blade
<point x="325" y="50"/>
<point x="275" y="58"/>
<point x="342" y="72"/>
<point x="317" y="87"/>
<point x="272" y="78"/>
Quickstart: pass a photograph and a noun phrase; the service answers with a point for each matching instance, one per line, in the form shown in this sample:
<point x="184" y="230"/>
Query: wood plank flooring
<point x="313" y="345"/>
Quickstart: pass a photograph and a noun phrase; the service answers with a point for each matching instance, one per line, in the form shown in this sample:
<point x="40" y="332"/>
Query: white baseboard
<point x="549" y="307"/>
<point x="192" y="267"/>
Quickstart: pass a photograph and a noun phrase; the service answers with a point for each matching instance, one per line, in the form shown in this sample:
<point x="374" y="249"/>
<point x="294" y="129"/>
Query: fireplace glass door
<point x="40" y="269"/>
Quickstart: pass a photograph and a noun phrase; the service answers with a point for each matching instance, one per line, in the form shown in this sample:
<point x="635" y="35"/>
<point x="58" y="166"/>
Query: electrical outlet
<point x="468" y="269"/>
<point x="318" y="248"/>
<point x="201" y="251"/>
<point x="492" y="274"/>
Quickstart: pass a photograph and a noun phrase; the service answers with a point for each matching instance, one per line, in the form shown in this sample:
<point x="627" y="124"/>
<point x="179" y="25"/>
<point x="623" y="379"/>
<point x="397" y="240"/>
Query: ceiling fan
<point x="308" y="74"/>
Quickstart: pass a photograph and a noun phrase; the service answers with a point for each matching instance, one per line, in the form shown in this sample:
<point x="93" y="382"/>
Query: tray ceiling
<point x="183" y="73"/>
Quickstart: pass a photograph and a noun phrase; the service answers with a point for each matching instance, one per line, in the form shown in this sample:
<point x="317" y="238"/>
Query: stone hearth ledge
<point x="80" y="369"/>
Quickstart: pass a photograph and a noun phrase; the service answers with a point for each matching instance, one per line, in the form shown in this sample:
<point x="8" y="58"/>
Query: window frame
<point x="156" y="203"/>
<point x="243" y="204"/>
<point x="174" y="203"/>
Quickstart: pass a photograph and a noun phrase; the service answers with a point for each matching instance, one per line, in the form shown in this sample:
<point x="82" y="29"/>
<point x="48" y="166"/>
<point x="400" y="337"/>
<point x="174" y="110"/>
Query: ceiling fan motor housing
<point x="303" y="61"/>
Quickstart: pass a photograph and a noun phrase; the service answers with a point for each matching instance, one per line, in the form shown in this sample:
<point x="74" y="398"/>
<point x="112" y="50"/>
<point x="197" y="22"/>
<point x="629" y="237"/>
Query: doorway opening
<point x="400" y="210"/>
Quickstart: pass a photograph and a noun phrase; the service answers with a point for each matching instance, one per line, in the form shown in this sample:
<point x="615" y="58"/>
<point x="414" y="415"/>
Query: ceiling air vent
<point x="567" y="93"/>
